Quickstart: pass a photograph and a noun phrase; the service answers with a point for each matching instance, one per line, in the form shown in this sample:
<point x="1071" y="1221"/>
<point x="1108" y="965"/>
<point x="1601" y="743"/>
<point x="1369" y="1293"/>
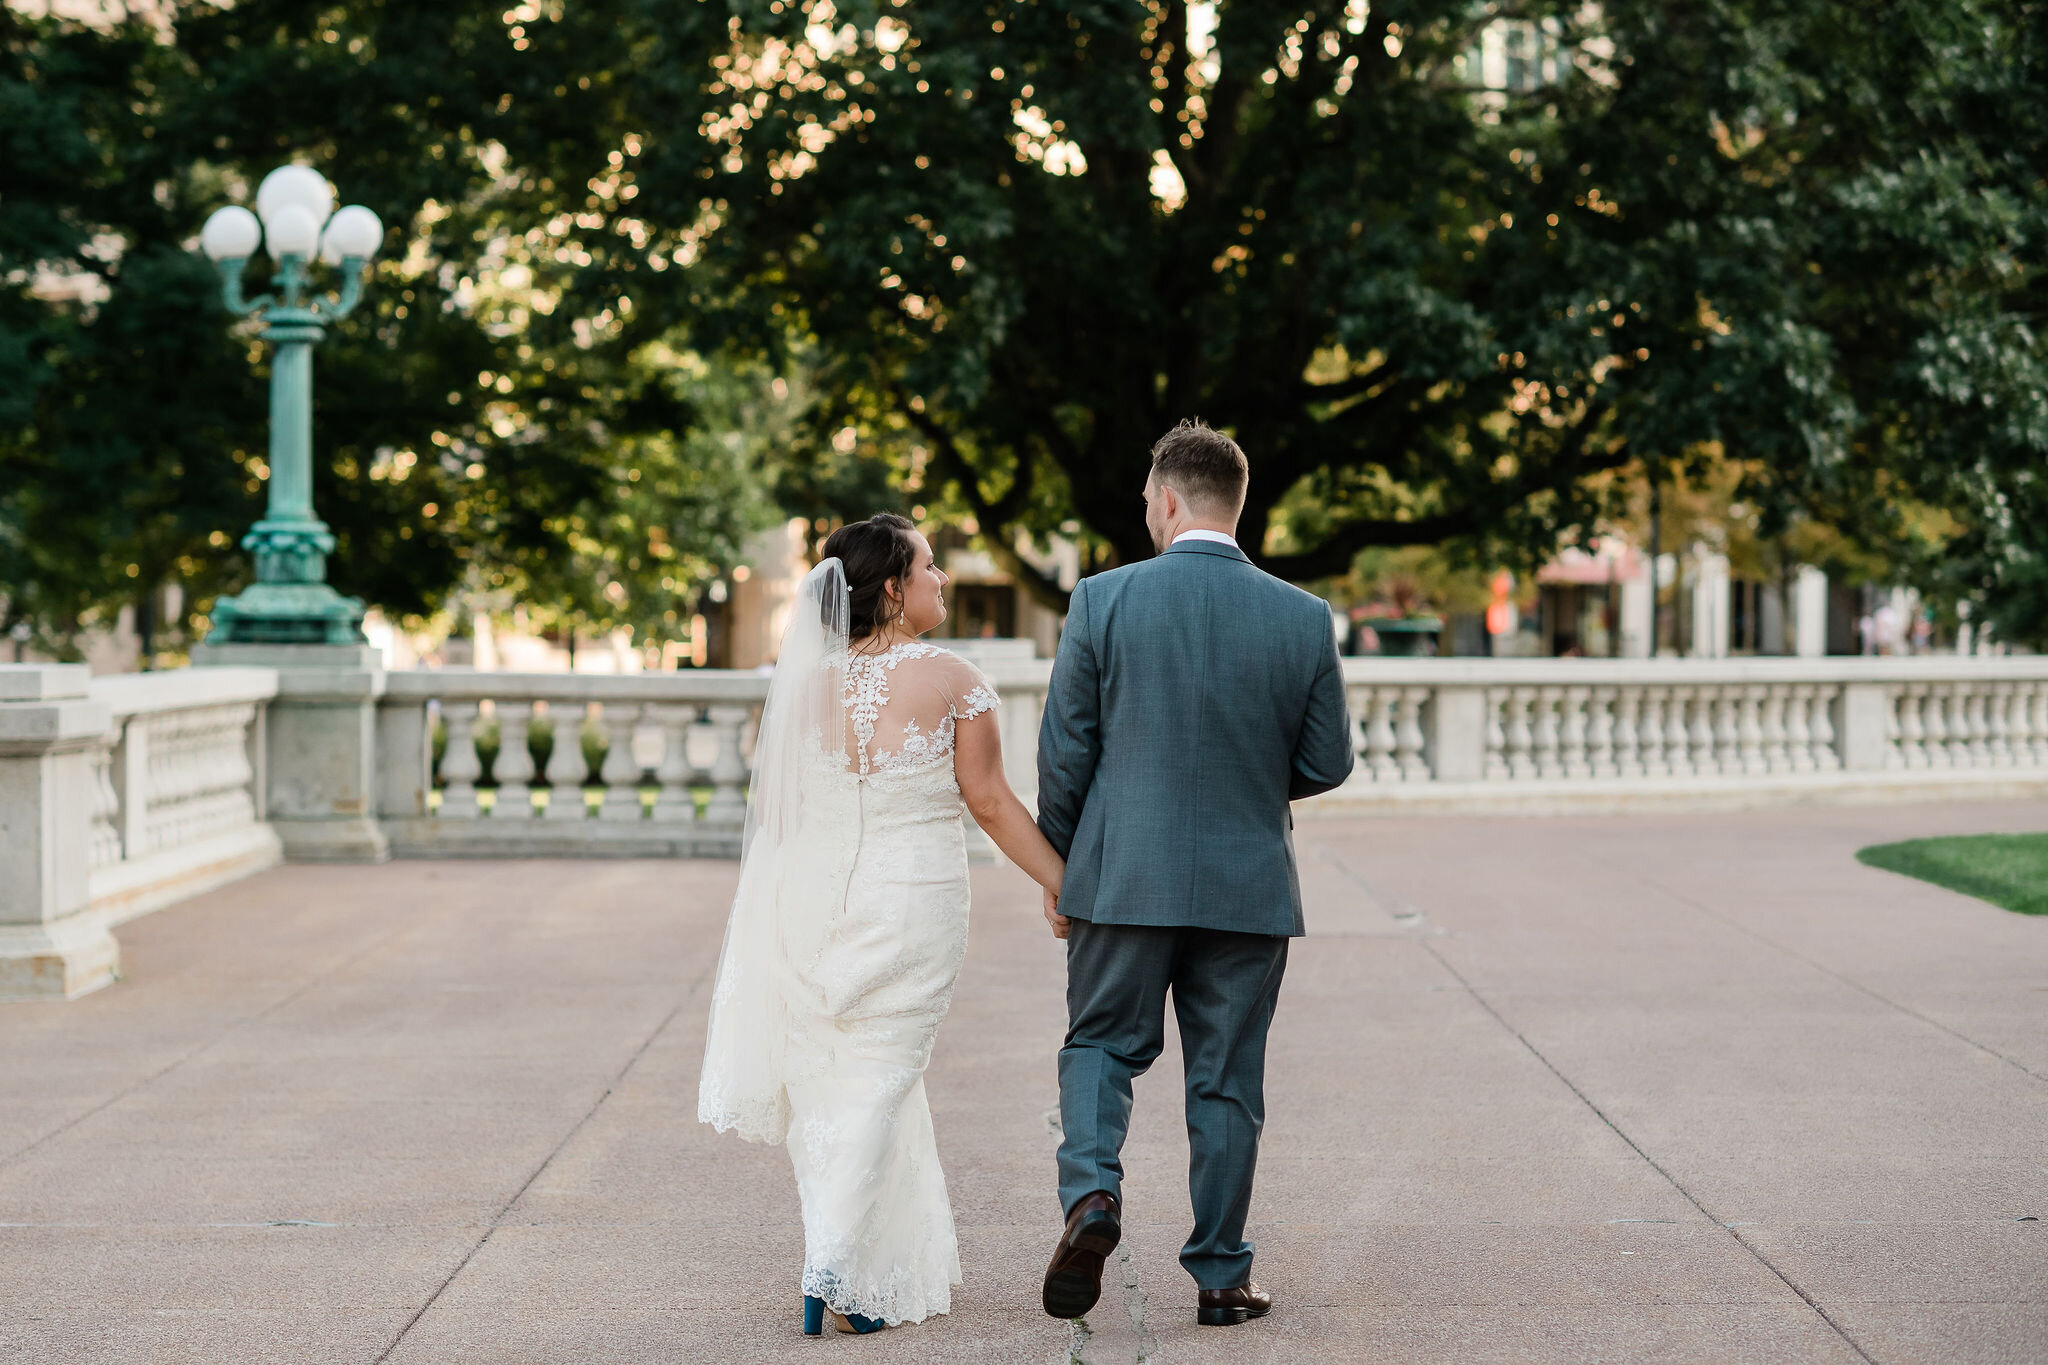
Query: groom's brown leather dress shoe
<point x="1073" y="1282"/>
<point x="1228" y="1307"/>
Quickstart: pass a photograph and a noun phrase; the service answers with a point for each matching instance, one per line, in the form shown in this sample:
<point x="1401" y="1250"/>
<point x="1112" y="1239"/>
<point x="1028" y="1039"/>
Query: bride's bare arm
<point x="978" y="767"/>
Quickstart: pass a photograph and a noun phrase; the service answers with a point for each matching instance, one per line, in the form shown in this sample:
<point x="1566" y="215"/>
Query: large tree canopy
<point x="1454" y="273"/>
<point x="1439" y="265"/>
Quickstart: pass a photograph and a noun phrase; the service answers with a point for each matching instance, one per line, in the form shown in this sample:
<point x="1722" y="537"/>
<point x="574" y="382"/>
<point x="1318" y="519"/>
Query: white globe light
<point x="231" y="234"/>
<point x="299" y="187"/>
<point x="354" y="232"/>
<point x="292" y="231"/>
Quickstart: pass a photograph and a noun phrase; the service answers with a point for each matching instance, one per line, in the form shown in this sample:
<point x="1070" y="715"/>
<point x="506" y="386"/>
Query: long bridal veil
<point x="796" y="855"/>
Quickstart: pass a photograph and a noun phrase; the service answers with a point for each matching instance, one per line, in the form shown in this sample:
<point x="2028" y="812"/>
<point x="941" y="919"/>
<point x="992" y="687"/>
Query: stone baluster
<point x="1934" y="723"/>
<point x="1894" y="732"/>
<point x="106" y="808"/>
<point x="1956" y="714"/>
<point x="191" y="769"/>
<point x="1771" y="730"/>
<point x="1359" y="702"/>
<point x="163" y="783"/>
<point x="460" y="767"/>
<point x="238" y="783"/>
<point x="1572" y="758"/>
<point x="1682" y="729"/>
<point x="1544" y="754"/>
<point x="620" y="771"/>
<point x="212" y="766"/>
<point x="1599" y="707"/>
<point x="1912" y="734"/>
<point x="221" y="789"/>
<point x="1700" y="738"/>
<point x="728" y="808"/>
<point x="2031" y="706"/>
<point x="1976" y="731"/>
<point x="674" y="803"/>
<point x="1998" y="724"/>
<point x="2019" y="724"/>
<point x="2008" y="722"/>
<point x="198" y="771"/>
<point x="1795" y="707"/>
<point x="131" y="787"/>
<point x="1650" y="737"/>
<point x="513" y="768"/>
<point x="566" y="765"/>
<point x="1628" y="759"/>
<point x="1989" y="708"/>
<point x="1749" y="729"/>
<point x="1625" y="713"/>
<point x="1379" y="736"/>
<point x="159" y="779"/>
<point x="1727" y="730"/>
<point x="1826" y="756"/>
<point x="1496" y="734"/>
<point x="1677" y="731"/>
<point x="1409" y="736"/>
<point x="185" y="768"/>
<point x="2034" y="699"/>
<point x="1962" y="729"/>
<point x="1520" y="738"/>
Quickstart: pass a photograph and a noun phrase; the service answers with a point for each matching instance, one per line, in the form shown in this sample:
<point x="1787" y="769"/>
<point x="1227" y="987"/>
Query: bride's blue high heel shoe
<point x="815" y="1313"/>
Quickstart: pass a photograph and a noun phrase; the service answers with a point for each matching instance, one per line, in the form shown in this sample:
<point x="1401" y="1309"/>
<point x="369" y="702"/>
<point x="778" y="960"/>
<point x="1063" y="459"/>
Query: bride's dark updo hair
<point x="874" y="553"/>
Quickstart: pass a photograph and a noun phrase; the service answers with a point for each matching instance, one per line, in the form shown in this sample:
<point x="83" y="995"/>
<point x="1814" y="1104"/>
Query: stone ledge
<point x="59" y="961"/>
<point x="488" y="838"/>
<point x="1613" y="796"/>
<point x="43" y="682"/>
<point x="136" y="887"/>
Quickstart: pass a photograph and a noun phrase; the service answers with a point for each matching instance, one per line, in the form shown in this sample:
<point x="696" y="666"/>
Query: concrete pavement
<point x="1661" y="1088"/>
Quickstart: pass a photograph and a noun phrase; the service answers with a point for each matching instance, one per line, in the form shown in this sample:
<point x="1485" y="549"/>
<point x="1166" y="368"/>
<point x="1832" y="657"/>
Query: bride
<point x="850" y="921"/>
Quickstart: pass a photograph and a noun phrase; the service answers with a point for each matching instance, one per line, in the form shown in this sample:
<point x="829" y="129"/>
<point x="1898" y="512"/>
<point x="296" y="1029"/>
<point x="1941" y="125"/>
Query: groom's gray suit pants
<point x="1224" y="989"/>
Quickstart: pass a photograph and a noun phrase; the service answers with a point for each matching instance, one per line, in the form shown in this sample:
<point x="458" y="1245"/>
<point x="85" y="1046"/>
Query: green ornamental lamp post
<point x="291" y="601"/>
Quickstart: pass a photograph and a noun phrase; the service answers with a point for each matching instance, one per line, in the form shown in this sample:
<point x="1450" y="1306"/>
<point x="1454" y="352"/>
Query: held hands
<point x="1053" y="916"/>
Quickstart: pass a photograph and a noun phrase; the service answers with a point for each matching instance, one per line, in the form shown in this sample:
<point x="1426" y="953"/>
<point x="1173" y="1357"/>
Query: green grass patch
<point x="2009" y="870"/>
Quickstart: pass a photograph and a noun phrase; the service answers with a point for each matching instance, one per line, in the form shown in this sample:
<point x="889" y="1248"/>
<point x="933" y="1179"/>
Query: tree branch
<point x="993" y="518"/>
<point x="1334" y="555"/>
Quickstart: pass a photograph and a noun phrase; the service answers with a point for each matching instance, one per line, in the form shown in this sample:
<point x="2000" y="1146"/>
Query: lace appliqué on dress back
<point x="925" y="737"/>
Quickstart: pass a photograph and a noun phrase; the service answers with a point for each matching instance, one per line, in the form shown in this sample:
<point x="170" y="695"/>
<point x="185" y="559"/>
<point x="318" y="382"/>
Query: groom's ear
<point x="1169" y="500"/>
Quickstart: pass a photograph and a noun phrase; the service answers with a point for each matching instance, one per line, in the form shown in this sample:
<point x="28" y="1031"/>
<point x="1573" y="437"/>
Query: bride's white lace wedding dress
<point x="866" y="890"/>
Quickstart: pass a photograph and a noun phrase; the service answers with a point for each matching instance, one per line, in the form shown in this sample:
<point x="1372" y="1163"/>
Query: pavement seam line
<point x="1836" y="976"/>
<point x="319" y="978"/>
<point x="1648" y="1160"/>
<point x="497" y="1219"/>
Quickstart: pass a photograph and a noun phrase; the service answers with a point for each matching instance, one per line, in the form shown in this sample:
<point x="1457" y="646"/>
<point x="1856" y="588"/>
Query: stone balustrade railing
<point x="119" y="795"/>
<point x="178" y="787"/>
<point x="670" y="780"/>
<point x="1453" y="734"/>
<point x="1483" y="734"/>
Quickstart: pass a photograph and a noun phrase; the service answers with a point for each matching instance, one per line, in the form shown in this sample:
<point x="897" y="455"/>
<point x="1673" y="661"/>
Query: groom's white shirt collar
<point x="1200" y="534"/>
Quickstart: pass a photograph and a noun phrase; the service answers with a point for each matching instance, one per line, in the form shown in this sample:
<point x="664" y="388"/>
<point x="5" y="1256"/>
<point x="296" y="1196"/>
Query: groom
<point x="1194" y="696"/>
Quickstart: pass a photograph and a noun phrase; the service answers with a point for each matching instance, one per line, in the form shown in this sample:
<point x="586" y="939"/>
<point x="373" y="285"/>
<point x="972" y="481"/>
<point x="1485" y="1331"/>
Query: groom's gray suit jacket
<point x="1193" y="697"/>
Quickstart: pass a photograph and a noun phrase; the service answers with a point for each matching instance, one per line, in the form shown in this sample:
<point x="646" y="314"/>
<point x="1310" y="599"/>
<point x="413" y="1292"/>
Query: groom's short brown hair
<point x="1204" y="466"/>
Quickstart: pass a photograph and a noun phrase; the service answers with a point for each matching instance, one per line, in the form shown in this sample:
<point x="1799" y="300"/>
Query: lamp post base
<point x="287" y="614"/>
<point x="319" y="771"/>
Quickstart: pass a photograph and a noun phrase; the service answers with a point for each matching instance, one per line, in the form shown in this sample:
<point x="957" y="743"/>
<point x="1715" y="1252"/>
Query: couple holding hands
<point x="1193" y="697"/>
